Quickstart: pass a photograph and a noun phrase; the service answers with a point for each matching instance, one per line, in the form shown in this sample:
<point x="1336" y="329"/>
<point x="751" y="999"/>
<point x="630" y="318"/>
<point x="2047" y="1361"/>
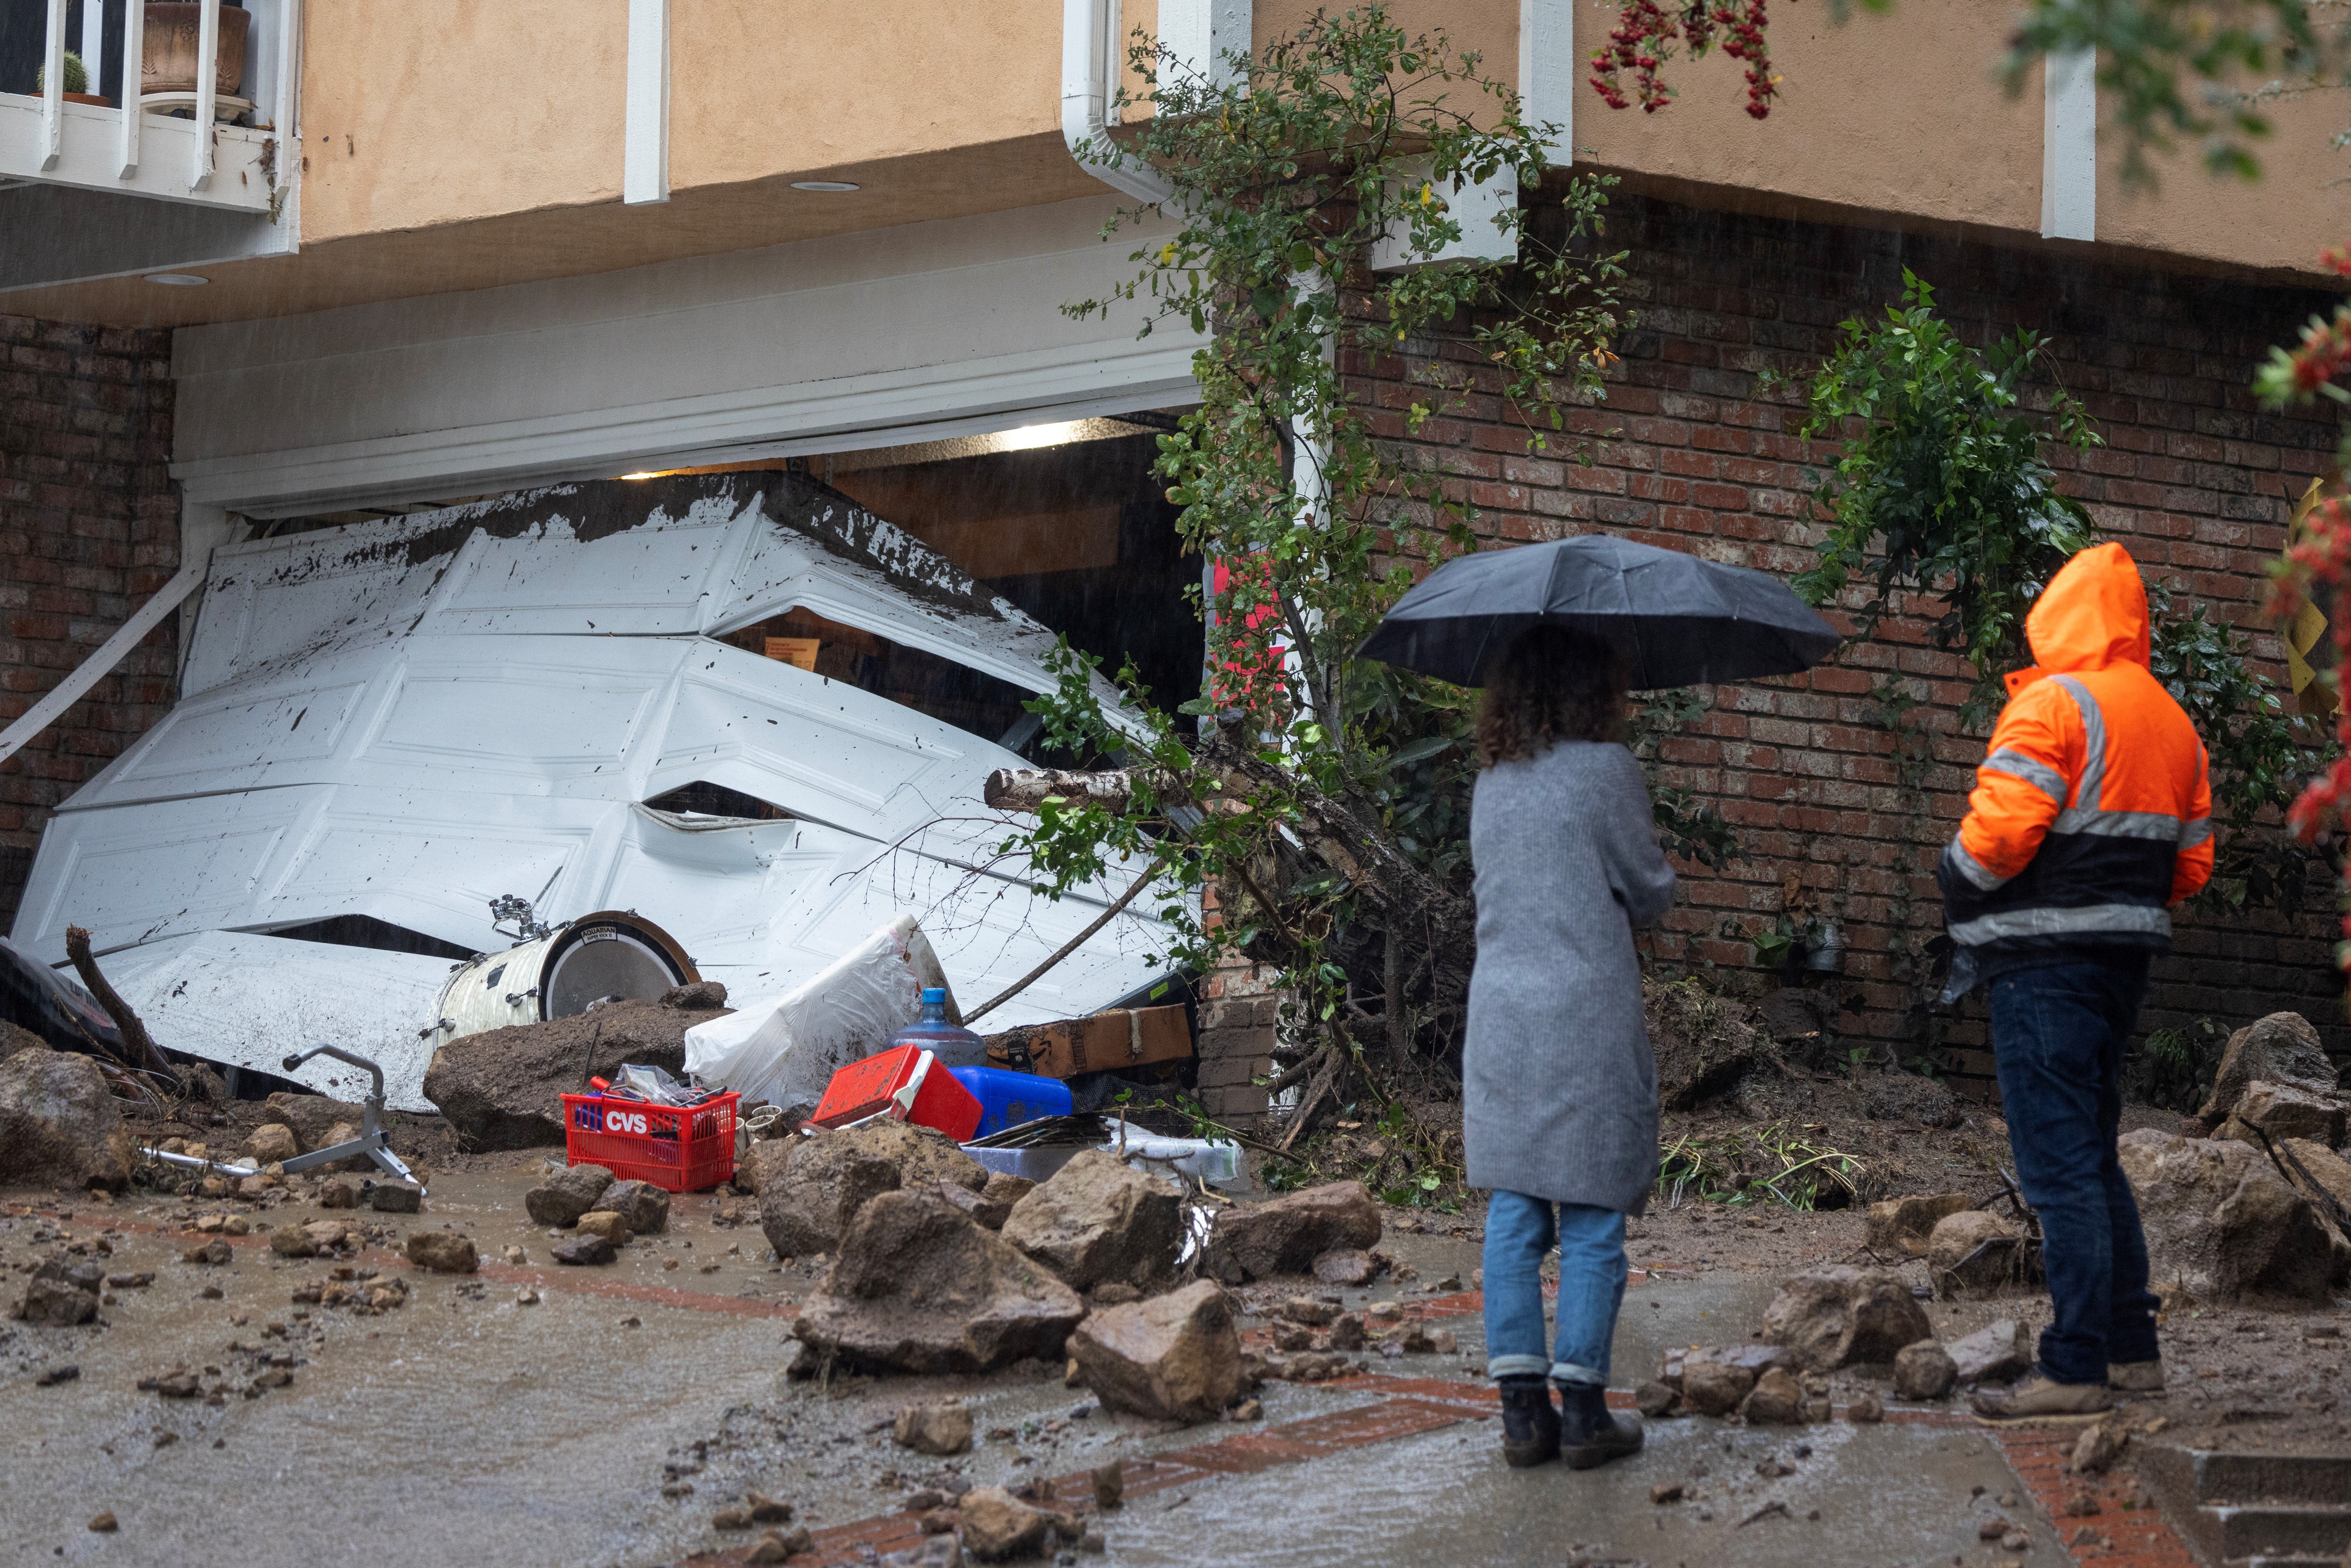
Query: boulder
<point x="642" y="1206"/>
<point x="61" y="1294"/>
<point x="2284" y="1110"/>
<point x="59" y="1125"/>
<point x="563" y="1197"/>
<point x="1828" y="1318"/>
<point x="327" y="1235"/>
<point x="396" y="1197"/>
<point x="1776" y="1400"/>
<point x="998" y="1527"/>
<point x="1996" y="1353"/>
<point x="1006" y="1188"/>
<point x="1175" y="1357"/>
<point x="1702" y="1042"/>
<point x="917" y="1287"/>
<point x="2324" y="1174"/>
<point x="1975" y="1254"/>
<point x="939" y="1429"/>
<point x="805" y="1208"/>
<point x="581" y="1251"/>
<point x="1097" y="1219"/>
<point x="1348" y="1266"/>
<point x="1285" y="1235"/>
<point x="442" y="1251"/>
<point x="613" y="1227"/>
<point x="343" y="1132"/>
<point x="764" y="1161"/>
<point x="701" y="996"/>
<point x="503" y="1089"/>
<point x="292" y="1241"/>
<point x="1924" y="1370"/>
<point x="271" y="1143"/>
<point x="1901" y="1225"/>
<point x="2223" y="1225"/>
<point x="314" y="1117"/>
<point x="2281" y="1048"/>
<point x="1713" y="1379"/>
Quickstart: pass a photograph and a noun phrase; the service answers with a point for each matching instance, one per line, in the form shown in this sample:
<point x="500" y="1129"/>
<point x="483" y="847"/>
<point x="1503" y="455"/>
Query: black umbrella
<point x="1675" y="619"/>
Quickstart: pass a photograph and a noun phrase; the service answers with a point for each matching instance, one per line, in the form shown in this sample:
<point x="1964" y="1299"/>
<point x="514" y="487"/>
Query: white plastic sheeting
<point x="785" y="1051"/>
<point x="408" y="718"/>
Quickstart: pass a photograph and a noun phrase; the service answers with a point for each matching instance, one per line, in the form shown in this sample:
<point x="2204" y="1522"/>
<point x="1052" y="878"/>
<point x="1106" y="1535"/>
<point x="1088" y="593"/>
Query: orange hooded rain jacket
<point x="2092" y="811"/>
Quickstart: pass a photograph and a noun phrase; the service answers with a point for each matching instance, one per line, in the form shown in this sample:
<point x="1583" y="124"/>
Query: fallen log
<point x="1027" y="788"/>
<point x="138" y="1049"/>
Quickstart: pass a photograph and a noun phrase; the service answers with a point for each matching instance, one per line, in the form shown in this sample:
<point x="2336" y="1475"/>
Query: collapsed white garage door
<point x="409" y="718"/>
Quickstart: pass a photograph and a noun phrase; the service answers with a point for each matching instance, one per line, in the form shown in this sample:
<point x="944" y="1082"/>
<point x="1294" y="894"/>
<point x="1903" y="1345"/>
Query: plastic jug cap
<point x="932" y="994"/>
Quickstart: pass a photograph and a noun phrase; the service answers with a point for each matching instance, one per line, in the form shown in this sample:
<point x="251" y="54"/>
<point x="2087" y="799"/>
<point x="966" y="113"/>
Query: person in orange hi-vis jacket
<point x="2091" y="815"/>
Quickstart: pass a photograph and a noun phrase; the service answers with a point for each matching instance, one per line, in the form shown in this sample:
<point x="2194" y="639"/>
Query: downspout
<point x="1090" y="59"/>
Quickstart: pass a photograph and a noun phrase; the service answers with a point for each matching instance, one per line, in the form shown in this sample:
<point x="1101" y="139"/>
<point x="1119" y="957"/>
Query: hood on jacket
<point x="2092" y="614"/>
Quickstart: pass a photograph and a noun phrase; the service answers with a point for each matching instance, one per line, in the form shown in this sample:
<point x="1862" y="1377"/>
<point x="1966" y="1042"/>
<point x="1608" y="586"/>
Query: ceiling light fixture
<point x="647" y="473"/>
<point x="177" y="279"/>
<point x="1034" y="435"/>
<point x="825" y="185"/>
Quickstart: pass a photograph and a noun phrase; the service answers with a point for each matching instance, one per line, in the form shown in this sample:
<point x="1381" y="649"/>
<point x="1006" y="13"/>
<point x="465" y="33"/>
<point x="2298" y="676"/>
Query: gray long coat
<point x="1559" y="1087"/>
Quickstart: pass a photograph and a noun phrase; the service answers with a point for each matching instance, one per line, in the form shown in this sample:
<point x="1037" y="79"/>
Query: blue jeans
<point x="1518" y="1233"/>
<point x="2057" y="1036"/>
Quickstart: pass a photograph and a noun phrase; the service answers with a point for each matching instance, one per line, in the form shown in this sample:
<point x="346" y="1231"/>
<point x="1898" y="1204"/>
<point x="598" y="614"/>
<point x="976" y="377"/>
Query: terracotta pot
<point x="167" y="61"/>
<point x="93" y="100"/>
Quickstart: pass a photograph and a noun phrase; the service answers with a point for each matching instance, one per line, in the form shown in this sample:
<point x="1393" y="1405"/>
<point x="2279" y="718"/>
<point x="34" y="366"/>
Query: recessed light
<point x="1030" y="436"/>
<point x="823" y="185"/>
<point x="178" y="279"/>
<point x="648" y="474"/>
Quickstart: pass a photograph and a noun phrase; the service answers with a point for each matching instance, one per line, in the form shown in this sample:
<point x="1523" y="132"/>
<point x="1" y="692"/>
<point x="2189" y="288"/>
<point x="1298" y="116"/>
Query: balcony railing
<point x="201" y="146"/>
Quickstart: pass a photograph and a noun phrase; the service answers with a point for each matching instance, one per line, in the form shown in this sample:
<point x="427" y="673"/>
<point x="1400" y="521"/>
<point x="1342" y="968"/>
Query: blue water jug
<point x="1007" y="1098"/>
<point x="954" y="1045"/>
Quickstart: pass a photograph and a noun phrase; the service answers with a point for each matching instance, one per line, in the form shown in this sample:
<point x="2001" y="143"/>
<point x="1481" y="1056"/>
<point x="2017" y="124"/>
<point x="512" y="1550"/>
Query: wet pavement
<point x="606" y="1424"/>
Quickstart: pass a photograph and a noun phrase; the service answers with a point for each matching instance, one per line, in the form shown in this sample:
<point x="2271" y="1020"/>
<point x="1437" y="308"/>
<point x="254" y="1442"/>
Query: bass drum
<point x="612" y="953"/>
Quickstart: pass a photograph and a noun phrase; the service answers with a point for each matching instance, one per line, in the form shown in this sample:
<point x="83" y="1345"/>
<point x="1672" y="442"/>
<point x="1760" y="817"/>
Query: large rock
<point x="1097" y="1220"/>
<point x="313" y="1117"/>
<point x="1994" y="1353"/>
<point x="1828" y="1318"/>
<point x="564" y="1196"/>
<point x="997" y="1527"/>
<point x="1776" y="1400"/>
<point x="444" y="1252"/>
<point x="1924" y="1370"/>
<point x="271" y="1143"/>
<point x="1975" y="1254"/>
<point x="1286" y="1235"/>
<point x="643" y="1207"/>
<point x="917" y="1287"/>
<point x="59" y="1125"/>
<point x="1175" y="1357"/>
<point x="1901" y="1225"/>
<point x="807" y="1199"/>
<point x="1702" y="1042"/>
<point x="2280" y="1049"/>
<point x="1714" y="1379"/>
<point x="2324" y="1174"/>
<point x="940" y="1429"/>
<point x="2284" y="1110"/>
<point x="766" y="1162"/>
<point x="502" y="1089"/>
<point x="2223" y="1225"/>
<point x="61" y="1294"/>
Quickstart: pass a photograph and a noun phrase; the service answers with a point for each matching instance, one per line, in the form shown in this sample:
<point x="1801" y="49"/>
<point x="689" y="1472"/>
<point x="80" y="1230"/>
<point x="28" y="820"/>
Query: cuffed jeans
<point x="2057" y="1037"/>
<point x="1519" y="1232"/>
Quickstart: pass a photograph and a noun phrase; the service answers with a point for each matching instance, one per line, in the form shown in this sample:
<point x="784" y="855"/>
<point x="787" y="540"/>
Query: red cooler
<point x="906" y="1083"/>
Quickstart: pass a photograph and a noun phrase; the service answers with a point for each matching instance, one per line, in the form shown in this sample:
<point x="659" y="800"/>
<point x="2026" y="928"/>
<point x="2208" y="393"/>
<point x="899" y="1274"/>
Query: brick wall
<point x="2193" y="479"/>
<point x="89" y="529"/>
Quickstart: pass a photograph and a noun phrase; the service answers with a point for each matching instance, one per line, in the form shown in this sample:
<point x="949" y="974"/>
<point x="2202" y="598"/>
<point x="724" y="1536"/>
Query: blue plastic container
<point x="954" y="1045"/>
<point x="1007" y="1098"/>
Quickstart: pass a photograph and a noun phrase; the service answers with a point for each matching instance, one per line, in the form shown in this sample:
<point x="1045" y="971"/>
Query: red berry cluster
<point x="1647" y="34"/>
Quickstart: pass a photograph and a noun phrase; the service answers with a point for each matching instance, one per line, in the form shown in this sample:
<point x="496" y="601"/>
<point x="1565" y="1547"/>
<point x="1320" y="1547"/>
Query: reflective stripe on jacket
<point x="2091" y="810"/>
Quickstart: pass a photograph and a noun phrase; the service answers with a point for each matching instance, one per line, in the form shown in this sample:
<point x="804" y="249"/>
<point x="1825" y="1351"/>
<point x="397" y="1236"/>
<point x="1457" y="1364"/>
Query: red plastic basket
<point x="677" y="1149"/>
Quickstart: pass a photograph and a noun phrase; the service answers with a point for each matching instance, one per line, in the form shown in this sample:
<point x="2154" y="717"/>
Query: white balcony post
<point x="199" y="172"/>
<point x="644" y="141"/>
<point x="134" y="70"/>
<point x="93" y="38"/>
<point x="53" y="88"/>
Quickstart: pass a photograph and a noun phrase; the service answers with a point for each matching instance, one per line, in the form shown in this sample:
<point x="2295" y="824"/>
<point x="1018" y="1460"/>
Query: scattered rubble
<point x="613" y="1227"/>
<point x="563" y="1197"/>
<point x="442" y="1251"/>
<point x="59" y="1125"/>
<point x="1924" y="1370"/>
<point x="2099" y="1446"/>
<point x="1901" y="1226"/>
<point x="1713" y="1381"/>
<point x="314" y="1118"/>
<point x="807" y="1207"/>
<point x="503" y="1089"/>
<point x="1096" y="1221"/>
<point x="2222" y="1224"/>
<point x="1175" y="1357"/>
<point x="1286" y="1235"/>
<point x="395" y="1197"/>
<point x="1999" y="1352"/>
<point x="584" y="1250"/>
<point x="998" y="1527"/>
<point x="1777" y="1399"/>
<point x="1975" y="1253"/>
<point x="976" y="1302"/>
<point x="271" y="1143"/>
<point x="61" y="1294"/>
<point x="941" y="1429"/>
<point x="1828" y="1318"/>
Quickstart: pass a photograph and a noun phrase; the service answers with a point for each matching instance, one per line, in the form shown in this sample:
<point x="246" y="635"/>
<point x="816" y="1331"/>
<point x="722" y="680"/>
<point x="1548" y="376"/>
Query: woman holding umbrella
<point x="1559" y="1084"/>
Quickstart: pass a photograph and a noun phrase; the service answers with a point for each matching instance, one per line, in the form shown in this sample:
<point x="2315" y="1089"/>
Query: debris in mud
<point x="1999" y="1352"/>
<point x="943" y="1428"/>
<point x="809" y="1206"/>
<point x="1702" y="1040"/>
<point x="395" y="1197"/>
<point x="51" y="1376"/>
<point x="1715" y="1380"/>
<point x="1110" y="1485"/>
<point x="59" y="1125"/>
<point x="1924" y="1370"/>
<point x="2224" y="1225"/>
<point x="563" y="1197"/>
<point x="1975" y="1253"/>
<point x="338" y="1192"/>
<point x="216" y="1252"/>
<point x="580" y="1252"/>
<point x="503" y="1089"/>
<point x="1777" y="1399"/>
<point x="1866" y="1409"/>
<point x="1902" y="1225"/>
<point x="975" y="1303"/>
<point x="613" y="1227"/>
<point x="2099" y="1446"/>
<point x="61" y="1294"/>
<point x="271" y="1143"/>
<point x="1096" y="1221"/>
<point x="643" y="1207"/>
<point x="105" y="1524"/>
<point x="1830" y="1318"/>
<point x="998" y="1527"/>
<point x="1654" y="1399"/>
<point x="1350" y="1266"/>
<point x="442" y="1251"/>
<point x="1286" y="1235"/>
<point x="1175" y="1357"/>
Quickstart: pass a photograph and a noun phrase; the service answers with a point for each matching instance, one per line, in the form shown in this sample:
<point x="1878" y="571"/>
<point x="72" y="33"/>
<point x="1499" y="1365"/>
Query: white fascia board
<point x="2069" y="145"/>
<point x="644" y="138"/>
<point x="1550" y="70"/>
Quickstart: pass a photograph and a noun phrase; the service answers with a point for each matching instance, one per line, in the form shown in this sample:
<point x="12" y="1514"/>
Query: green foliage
<point x="2172" y="1068"/>
<point x="1746" y="1165"/>
<point x="1686" y="825"/>
<point x="2261" y="755"/>
<point x="2194" y="70"/>
<point x="1942" y="488"/>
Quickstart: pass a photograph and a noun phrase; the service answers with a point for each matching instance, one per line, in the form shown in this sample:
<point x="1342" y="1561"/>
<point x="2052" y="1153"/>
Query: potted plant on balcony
<point x="76" y="76"/>
<point x="167" y="56"/>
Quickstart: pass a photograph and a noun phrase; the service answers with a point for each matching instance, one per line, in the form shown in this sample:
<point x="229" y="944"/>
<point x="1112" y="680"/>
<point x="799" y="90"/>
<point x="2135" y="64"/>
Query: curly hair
<point x="1550" y="684"/>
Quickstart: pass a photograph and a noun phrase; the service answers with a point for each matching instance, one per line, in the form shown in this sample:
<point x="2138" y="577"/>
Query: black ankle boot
<point x="1588" y="1434"/>
<point x="1529" y="1424"/>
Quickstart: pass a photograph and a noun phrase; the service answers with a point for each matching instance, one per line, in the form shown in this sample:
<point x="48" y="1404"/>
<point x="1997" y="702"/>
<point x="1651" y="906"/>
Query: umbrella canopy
<point x="1675" y="619"/>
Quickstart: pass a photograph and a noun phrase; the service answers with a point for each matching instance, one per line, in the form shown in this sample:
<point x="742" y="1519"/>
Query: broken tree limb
<point x="1066" y="949"/>
<point x="1027" y="788"/>
<point x="140" y="1050"/>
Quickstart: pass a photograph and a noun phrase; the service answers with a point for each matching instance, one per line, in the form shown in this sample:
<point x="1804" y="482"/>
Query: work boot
<point x="2135" y="1376"/>
<point x="2041" y="1397"/>
<point x="1529" y="1424"/>
<point x="1589" y="1433"/>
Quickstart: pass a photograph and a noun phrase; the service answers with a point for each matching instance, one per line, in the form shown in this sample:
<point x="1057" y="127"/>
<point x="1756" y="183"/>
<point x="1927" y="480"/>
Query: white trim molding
<point x="644" y="157"/>
<point x="1548" y="72"/>
<point x="2069" y="145"/>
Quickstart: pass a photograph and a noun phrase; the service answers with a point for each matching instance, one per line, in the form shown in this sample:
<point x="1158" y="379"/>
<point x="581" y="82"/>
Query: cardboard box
<point x="1106" y="1042"/>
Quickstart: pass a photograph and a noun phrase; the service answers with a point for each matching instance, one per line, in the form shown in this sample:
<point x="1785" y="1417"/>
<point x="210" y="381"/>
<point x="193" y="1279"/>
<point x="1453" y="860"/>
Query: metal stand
<point x="372" y="1140"/>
